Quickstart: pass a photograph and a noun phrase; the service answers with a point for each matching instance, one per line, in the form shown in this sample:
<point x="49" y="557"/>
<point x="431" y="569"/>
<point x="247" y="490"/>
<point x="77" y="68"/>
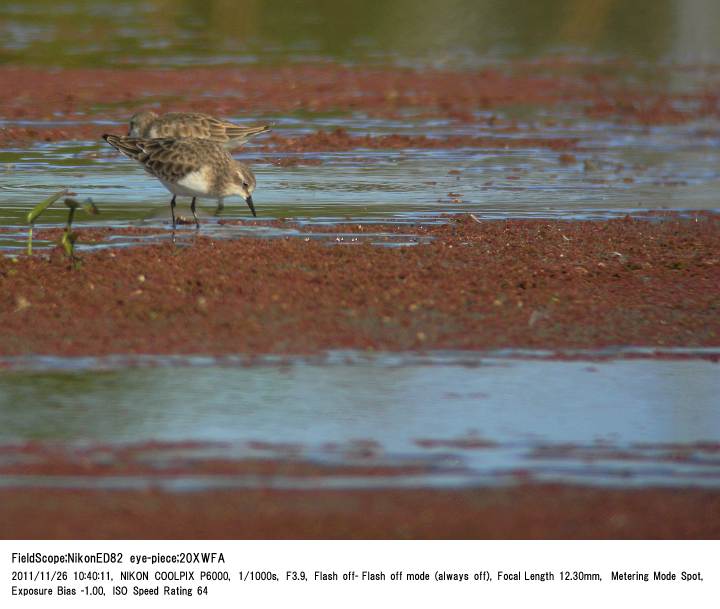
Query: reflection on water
<point x="556" y="420"/>
<point x="87" y="32"/>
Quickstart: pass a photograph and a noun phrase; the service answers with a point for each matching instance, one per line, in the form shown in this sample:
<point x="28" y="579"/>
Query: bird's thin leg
<point x="220" y="207"/>
<point x="172" y="211"/>
<point x="192" y="209"/>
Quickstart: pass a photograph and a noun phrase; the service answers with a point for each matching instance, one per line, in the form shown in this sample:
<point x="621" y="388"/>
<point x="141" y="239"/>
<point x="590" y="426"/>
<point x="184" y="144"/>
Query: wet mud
<point x="464" y="285"/>
<point x="520" y="512"/>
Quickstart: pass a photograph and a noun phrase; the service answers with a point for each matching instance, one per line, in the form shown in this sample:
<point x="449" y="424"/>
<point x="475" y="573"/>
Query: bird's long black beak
<point x="249" y="201"/>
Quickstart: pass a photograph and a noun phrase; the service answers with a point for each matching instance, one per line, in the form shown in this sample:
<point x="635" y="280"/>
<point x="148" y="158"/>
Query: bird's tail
<point x="238" y="135"/>
<point x="129" y="146"/>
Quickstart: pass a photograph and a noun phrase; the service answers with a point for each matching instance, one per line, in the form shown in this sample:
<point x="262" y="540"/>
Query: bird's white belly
<point x="195" y="184"/>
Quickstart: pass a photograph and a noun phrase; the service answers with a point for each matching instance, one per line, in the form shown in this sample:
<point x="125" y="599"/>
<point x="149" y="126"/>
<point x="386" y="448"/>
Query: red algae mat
<point x="28" y="92"/>
<point x="521" y="512"/>
<point x="81" y="95"/>
<point x="496" y="284"/>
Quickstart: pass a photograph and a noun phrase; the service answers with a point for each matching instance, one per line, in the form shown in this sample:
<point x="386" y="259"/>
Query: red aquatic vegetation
<point x="524" y="511"/>
<point x="496" y="284"/>
<point x="80" y="96"/>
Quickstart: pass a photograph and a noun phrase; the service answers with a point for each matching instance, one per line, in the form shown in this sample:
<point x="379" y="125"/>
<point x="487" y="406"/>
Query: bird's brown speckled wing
<point x="171" y="159"/>
<point x="203" y="126"/>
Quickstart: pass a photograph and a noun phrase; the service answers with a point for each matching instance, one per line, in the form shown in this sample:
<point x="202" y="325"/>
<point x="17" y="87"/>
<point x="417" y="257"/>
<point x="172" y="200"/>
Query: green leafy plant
<point x="37" y="211"/>
<point x="68" y="239"/>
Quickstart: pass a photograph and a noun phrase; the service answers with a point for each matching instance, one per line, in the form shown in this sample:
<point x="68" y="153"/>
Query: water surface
<point x="619" y="169"/>
<point x="466" y="419"/>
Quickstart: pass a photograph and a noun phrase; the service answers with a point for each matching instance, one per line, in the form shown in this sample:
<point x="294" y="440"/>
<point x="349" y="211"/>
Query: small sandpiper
<point x="190" y="167"/>
<point x="192" y="124"/>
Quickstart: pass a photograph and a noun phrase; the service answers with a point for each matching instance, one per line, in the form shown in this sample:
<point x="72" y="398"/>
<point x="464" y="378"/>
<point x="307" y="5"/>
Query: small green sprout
<point x="68" y="239"/>
<point x="36" y="211"/>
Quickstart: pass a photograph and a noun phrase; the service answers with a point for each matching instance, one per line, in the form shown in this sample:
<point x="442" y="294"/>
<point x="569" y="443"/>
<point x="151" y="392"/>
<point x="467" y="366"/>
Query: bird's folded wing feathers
<point x="162" y="157"/>
<point x="137" y="147"/>
<point x="224" y="132"/>
<point x="129" y="146"/>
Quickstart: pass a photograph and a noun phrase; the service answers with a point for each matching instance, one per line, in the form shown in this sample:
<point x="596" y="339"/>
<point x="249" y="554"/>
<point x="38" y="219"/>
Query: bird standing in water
<point x="191" y="167"/>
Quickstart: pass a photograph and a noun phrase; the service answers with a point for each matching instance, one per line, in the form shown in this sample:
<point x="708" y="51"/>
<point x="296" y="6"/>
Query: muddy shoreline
<point x="520" y="512"/>
<point x="495" y="284"/>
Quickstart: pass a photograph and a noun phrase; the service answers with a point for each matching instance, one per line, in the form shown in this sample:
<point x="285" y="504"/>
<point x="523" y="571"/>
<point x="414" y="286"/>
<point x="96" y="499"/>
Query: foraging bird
<point x="192" y="124"/>
<point x="190" y="167"/>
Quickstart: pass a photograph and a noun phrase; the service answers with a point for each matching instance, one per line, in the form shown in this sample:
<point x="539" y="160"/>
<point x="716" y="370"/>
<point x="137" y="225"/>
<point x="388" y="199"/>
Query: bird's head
<point x="139" y="122"/>
<point x="244" y="184"/>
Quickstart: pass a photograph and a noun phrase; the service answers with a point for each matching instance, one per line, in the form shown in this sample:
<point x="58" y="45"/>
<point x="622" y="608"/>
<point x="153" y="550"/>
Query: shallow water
<point x="463" y="418"/>
<point x="619" y="169"/>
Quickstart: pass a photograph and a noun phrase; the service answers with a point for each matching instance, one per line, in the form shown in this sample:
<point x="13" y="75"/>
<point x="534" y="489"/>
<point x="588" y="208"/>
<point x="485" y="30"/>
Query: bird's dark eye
<point x="245" y="184"/>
